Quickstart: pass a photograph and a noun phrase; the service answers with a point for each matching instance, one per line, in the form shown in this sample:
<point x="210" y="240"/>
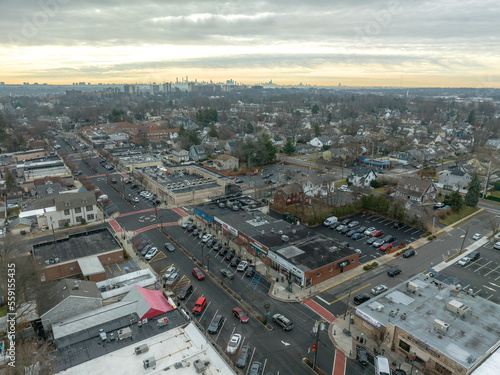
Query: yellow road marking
<point x="118" y="267"/>
<point x="166" y="268"/>
<point x="354" y="291"/>
<point x="158" y="256"/>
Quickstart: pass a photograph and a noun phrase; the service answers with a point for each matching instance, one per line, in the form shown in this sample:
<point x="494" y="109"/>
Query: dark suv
<point x="185" y="291"/>
<point x="360" y="298"/>
<point x="216" y="324"/>
<point x="475" y="255"/>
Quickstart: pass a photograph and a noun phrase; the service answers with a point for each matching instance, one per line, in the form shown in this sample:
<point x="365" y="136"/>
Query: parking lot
<point x="481" y="276"/>
<point x="368" y="252"/>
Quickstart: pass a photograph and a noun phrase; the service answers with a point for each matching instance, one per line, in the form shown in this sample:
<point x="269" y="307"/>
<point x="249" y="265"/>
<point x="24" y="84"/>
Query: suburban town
<point x="221" y="228"/>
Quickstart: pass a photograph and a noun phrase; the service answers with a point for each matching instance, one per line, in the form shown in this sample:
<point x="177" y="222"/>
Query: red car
<point x="198" y="274"/>
<point x="386" y="247"/>
<point x="200" y="305"/>
<point x="240" y="314"/>
<point x="376" y="233"/>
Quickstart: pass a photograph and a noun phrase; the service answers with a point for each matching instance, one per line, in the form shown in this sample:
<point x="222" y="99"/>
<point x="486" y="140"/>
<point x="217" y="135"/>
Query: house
<point x="64" y="209"/>
<point x="416" y="190"/>
<point x="455" y="179"/>
<point x="318" y="186"/>
<point x="362" y="176"/>
<point x="291" y="194"/>
<point x="321" y="141"/>
<point x="493" y="144"/>
<point x="67" y="298"/>
<point x="304" y="149"/>
<point x="227" y="162"/>
<point x="197" y="152"/>
<point x="180" y="156"/>
<point x="277" y="141"/>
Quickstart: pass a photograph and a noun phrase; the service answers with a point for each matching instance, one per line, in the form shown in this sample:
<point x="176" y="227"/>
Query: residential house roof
<point x="66" y="201"/>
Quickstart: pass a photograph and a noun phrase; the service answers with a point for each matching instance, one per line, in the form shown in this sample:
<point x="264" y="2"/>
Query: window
<point x="331" y="269"/>
<point x="79" y="219"/>
<point x="90" y="217"/>
<point x="66" y="212"/>
<point x="78" y="210"/>
<point x="403" y="345"/>
<point x="319" y="274"/>
<point x="89" y="208"/>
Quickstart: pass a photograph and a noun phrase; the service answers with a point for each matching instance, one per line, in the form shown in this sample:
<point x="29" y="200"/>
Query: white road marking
<point x="487" y="287"/>
<point x="285" y="343"/>
<point x="494" y="269"/>
<point x="321" y="299"/>
<point x="483" y="266"/>
<point x="498" y="286"/>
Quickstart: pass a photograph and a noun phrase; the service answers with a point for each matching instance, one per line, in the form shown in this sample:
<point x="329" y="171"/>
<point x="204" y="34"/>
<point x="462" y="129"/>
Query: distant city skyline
<point x="392" y="43"/>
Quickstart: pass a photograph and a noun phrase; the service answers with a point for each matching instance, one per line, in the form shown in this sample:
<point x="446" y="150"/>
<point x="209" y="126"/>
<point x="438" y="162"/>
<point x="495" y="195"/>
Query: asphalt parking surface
<point x="368" y="252"/>
<point x="481" y="276"/>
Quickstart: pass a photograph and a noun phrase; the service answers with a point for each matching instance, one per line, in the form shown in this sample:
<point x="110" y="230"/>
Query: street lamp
<point x="412" y="362"/>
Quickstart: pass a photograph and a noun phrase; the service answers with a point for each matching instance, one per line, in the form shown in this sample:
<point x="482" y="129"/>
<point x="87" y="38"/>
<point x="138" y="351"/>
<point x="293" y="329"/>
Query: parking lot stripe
<point x="494" y="269"/>
<point x="487" y="287"/>
<point x="483" y="266"/>
<point x="354" y="291"/>
<point x="498" y="286"/>
<point x="409" y="229"/>
<point x="418" y="230"/>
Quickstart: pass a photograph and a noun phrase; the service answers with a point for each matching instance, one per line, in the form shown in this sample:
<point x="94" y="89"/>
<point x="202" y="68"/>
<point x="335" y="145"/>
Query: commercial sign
<point x="229" y="228"/>
<point x="424" y="346"/>
<point x="368" y="319"/>
<point x="203" y="215"/>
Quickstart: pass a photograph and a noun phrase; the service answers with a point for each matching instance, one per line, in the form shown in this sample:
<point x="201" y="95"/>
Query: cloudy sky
<point x="355" y="42"/>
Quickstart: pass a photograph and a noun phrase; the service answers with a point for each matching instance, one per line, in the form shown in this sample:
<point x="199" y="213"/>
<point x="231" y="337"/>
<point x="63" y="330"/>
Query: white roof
<point x="490" y="366"/>
<point x="90" y="266"/>
<point x="38" y="212"/>
<point x="179" y="345"/>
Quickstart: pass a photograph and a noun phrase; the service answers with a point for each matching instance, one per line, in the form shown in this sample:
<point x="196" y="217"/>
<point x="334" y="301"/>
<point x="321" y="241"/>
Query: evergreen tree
<point x="317" y="132"/>
<point x="472" y="196"/>
<point x="213" y="131"/>
<point x="456" y="201"/>
<point x="289" y="148"/>
<point x="315" y="109"/>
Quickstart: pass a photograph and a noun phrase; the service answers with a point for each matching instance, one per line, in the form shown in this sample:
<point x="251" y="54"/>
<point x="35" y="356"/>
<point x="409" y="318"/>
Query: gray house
<point x="197" y="152"/>
<point x="455" y="179"/>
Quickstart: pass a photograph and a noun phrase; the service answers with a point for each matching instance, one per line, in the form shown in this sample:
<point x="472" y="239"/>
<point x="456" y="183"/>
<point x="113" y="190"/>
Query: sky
<point x="398" y="43"/>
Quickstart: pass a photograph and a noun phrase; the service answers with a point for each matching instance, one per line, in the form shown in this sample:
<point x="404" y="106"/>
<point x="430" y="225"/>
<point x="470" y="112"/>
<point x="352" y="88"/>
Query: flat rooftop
<point x="124" y="283"/>
<point x="75" y="246"/>
<point x="256" y="224"/>
<point x="314" y="253"/>
<point x="173" y="347"/>
<point x="468" y="339"/>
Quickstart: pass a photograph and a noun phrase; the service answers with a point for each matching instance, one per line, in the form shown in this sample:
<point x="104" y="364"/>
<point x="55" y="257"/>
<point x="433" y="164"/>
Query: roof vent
<point x="75" y="284"/>
<point x="285" y="238"/>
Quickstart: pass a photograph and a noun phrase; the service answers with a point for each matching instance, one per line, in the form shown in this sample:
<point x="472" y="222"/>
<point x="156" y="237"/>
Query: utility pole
<point x="348" y="298"/>
<point x="487" y="180"/>
<point x="318" y="327"/>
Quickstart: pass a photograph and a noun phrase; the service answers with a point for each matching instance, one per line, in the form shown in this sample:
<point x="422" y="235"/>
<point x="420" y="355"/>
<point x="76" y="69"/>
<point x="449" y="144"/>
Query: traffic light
<point x="313" y="348"/>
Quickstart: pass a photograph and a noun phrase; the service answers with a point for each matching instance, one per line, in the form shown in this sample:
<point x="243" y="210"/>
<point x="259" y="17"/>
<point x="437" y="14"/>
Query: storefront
<point x="292" y="273"/>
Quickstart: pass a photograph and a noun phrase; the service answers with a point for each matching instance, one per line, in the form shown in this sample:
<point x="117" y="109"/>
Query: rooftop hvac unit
<point x="285" y="238"/>
<point x="411" y="286"/>
<point x="403" y="316"/>
<point x="124" y="333"/>
<point x="392" y="314"/>
<point x="280" y="231"/>
<point x="150" y="362"/>
<point x="441" y="326"/>
<point x="199" y="366"/>
<point x="144" y="321"/>
<point x="141" y="349"/>
<point x="459" y="307"/>
<point x="333" y="249"/>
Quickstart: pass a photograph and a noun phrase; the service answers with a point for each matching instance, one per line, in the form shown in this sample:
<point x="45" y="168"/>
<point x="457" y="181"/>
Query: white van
<point x="329" y="221"/>
<point x="382" y="366"/>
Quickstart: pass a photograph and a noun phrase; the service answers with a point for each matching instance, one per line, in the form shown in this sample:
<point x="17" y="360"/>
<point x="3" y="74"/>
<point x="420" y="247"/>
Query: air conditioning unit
<point x="199" y="366"/>
<point x="441" y="326"/>
<point x="141" y="349"/>
<point x="150" y="362"/>
<point x="285" y="238"/>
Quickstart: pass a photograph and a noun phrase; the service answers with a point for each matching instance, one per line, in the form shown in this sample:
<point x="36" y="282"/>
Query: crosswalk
<point x="491" y="207"/>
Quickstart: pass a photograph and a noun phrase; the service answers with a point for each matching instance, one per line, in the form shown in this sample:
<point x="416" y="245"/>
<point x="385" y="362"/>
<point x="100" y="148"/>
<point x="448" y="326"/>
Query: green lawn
<point x="494" y="193"/>
<point x="339" y="183"/>
<point x="3" y="311"/>
<point x="455" y="216"/>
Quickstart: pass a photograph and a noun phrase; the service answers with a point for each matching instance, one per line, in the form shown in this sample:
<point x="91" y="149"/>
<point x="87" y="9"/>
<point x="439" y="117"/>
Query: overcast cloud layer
<point x="356" y="42"/>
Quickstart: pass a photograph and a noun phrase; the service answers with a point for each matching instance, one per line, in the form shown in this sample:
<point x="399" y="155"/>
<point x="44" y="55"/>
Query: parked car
<point x="369" y="231"/>
<point x="399" y="225"/>
<point x="242" y="358"/>
<point x="379" y="242"/>
<point x="475" y="255"/>
<point x="376" y="233"/>
<point x="352" y="224"/>
<point x="255" y="369"/>
<point x="242" y="266"/>
<point x="409" y="253"/>
<point x="361" y="230"/>
<point x="360" y="298"/>
<point x="386" y="246"/>
<point x="229" y="256"/>
<point x="199" y="305"/>
<point x="172" y="279"/>
<point x="477" y="236"/>
<point x="227" y="273"/>
<point x="362" y="357"/>
<point x="394" y="271"/>
<point x="185" y="225"/>
<point x="135" y="199"/>
<point x="198" y="274"/>
<point x="350" y="233"/>
<point x="438" y="205"/>
<point x="151" y="253"/>
<point x="283" y="321"/>
<point x="464" y="261"/>
<point x="341" y="228"/>
<point x="334" y="225"/>
<point x="210" y="242"/>
<point x="223" y="252"/>
<point x="168" y="272"/>
<point x="371" y="240"/>
<point x="234" y="343"/>
<point x="345" y="229"/>
<point x="206" y="237"/>
<point x="185" y="291"/>
<point x="216" y="324"/>
<point x="345" y="244"/>
<point x="217" y="247"/>
<point x="378" y="289"/>
<point x="357" y="236"/>
<point x="146" y="249"/>
<point x="346" y="221"/>
<point x="169" y="246"/>
<point x="250" y="271"/>
<point x="235" y="262"/>
<point x="240" y="314"/>
<point x="496" y="246"/>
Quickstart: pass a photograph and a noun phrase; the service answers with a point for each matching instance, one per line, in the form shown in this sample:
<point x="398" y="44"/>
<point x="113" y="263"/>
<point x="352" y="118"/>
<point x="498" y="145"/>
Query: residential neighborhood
<point x="187" y="224"/>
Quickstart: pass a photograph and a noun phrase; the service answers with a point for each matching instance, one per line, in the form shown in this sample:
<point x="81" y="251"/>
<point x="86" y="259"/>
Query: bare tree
<point x="494" y="224"/>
